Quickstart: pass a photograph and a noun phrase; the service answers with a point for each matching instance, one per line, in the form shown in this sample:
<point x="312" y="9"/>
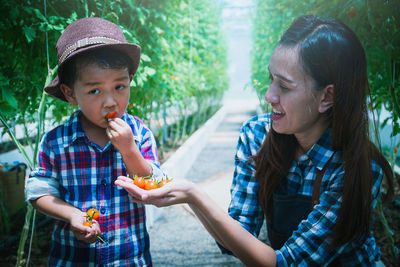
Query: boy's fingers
<point x="111" y="133"/>
<point x="116" y="124"/>
<point x="119" y="121"/>
<point x="81" y="228"/>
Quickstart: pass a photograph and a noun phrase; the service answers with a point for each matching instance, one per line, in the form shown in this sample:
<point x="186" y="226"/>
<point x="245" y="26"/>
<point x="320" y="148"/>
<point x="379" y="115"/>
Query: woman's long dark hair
<point x="330" y="53"/>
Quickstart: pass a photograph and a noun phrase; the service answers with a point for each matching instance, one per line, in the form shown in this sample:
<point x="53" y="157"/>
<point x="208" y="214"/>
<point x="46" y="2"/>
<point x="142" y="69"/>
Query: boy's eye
<point x="120" y="87"/>
<point x="94" y="92"/>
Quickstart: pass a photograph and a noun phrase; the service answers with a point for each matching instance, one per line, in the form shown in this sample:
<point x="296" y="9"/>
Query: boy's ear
<point x="327" y="98"/>
<point x="130" y="78"/>
<point x="69" y="94"/>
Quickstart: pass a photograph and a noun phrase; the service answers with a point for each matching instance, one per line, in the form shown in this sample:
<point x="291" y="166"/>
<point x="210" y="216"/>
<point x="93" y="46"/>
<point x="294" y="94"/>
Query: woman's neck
<point x="307" y="140"/>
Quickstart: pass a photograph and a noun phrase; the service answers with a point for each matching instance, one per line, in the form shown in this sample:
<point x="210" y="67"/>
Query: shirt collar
<point x="73" y="129"/>
<point x="322" y="151"/>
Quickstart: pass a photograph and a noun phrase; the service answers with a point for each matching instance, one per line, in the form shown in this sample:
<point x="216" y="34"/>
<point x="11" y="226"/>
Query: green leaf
<point x="6" y="110"/>
<point x="39" y="14"/>
<point x="149" y="71"/>
<point x="8" y="96"/>
<point x="145" y="57"/>
<point x="30" y="33"/>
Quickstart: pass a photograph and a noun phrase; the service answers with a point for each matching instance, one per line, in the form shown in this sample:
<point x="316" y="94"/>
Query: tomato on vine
<point x="93" y="214"/>
<point x="88" y="224"/>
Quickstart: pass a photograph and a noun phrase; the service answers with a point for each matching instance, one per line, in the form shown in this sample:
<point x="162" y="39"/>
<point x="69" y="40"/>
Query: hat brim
<point x="131" y="50"/>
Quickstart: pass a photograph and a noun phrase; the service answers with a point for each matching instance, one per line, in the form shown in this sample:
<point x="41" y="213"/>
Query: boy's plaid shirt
<point x="85" y="173"/>
<point x="309" y="245"/>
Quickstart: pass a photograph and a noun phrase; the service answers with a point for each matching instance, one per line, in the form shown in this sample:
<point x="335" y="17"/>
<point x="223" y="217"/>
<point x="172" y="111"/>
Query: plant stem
<point x="388" y="231"/>
<point x="24" y="235"/>
<point x="15" y="140"/>
<point x="101" y="239"/>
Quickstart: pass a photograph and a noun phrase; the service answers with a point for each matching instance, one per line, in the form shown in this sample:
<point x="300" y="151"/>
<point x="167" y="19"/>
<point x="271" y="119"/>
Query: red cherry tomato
<point x="140" y="182"/>
<point x="164" y="182"/>
<point x="150" y="185"/>
<point x="111" y="115"/>
<point x="88" y="224"/>
<point x="93" y="214"/>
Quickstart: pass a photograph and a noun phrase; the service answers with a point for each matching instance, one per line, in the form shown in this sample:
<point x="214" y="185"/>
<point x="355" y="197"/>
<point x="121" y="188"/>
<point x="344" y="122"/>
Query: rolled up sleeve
<point x="37" y="187"/>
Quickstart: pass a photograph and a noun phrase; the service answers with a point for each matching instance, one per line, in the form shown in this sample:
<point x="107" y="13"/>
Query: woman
<point x="309" y="166"/>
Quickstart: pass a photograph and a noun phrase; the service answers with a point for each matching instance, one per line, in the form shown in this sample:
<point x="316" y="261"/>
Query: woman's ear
<point x="69" y="94"/>
<point x="327" y="98"/>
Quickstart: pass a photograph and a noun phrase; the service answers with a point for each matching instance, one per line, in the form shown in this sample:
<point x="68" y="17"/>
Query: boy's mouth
<point x="111" y="115"/>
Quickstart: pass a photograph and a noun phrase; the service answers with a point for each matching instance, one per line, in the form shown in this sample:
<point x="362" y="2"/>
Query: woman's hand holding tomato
<point x="147" y="183"/>
<point x="173" y="192"/>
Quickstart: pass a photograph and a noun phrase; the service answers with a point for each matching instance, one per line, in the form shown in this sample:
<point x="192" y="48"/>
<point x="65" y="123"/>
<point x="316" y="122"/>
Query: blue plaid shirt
<point x="85" y="175"/>
<point x="309" y="245"/>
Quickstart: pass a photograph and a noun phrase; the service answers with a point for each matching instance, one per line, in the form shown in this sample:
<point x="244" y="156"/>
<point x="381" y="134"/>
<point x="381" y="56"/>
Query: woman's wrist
<point x="195" y="194"/>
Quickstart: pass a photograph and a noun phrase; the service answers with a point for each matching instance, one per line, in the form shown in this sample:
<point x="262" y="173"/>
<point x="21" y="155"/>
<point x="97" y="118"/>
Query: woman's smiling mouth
<point x="275" y="115"/>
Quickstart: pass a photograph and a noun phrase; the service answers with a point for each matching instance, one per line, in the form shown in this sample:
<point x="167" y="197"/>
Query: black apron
<point x="289" y="211"/>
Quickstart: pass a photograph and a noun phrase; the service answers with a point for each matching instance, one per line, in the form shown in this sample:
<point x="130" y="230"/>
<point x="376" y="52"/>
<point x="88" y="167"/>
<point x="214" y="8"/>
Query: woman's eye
<point x="283" y="87"/>
<point x="94" y="92"/>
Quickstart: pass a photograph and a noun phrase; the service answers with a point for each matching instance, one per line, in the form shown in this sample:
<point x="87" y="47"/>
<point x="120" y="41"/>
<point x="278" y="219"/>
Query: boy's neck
<point x="95" y="133"/>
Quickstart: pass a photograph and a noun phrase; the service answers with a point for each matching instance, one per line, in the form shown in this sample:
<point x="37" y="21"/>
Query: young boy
<point x="80" y="159"/>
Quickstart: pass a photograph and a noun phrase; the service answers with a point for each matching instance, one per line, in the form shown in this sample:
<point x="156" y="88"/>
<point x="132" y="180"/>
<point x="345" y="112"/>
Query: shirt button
<point x="103" y="210"/>
<point x="103" y="182"/>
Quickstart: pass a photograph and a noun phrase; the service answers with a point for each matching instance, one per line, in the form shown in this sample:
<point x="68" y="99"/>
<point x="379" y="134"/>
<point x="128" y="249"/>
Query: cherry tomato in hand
<point x="151" y="185"/>
<point x="93" y="214"/>
<point x="140" y="182"/>
<point x="164" y="182"/>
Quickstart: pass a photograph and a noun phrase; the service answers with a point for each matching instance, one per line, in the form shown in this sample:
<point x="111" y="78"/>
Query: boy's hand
<point x="82" y="232"/>
<point x="121" y="135"/>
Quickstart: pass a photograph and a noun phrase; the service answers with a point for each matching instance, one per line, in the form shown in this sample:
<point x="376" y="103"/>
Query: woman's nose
<point x="271" y="96"/>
